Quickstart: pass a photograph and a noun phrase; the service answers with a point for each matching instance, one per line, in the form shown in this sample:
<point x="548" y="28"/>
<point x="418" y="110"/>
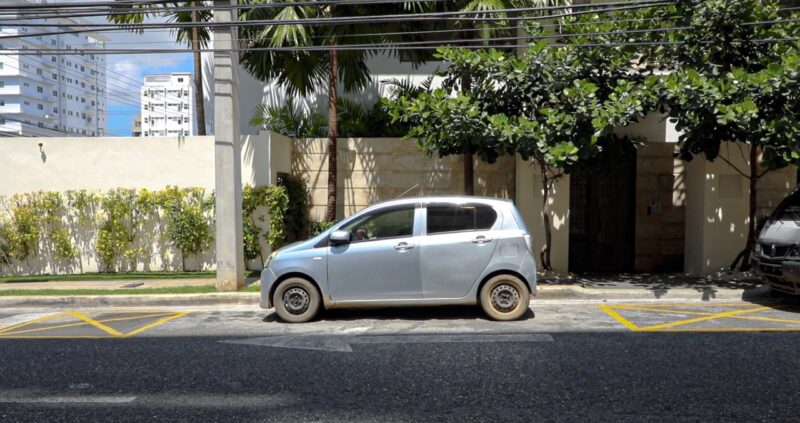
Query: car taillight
<point x="528" y="242"/>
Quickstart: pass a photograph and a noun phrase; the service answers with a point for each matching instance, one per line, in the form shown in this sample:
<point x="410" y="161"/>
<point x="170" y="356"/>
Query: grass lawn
<point x="203" y="289"/>
<point x="115" y="276"/>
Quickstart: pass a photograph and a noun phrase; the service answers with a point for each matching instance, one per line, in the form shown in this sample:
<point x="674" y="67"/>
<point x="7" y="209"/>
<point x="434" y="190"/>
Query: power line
<point x="368" y="19"/>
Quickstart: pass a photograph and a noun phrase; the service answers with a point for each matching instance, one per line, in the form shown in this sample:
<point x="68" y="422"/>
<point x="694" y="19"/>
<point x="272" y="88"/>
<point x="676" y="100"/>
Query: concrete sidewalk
<point x="546" y="293"/>
<point x="128" y="284"/>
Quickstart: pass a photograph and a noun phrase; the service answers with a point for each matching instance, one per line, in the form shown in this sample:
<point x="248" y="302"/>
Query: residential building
<point x="51" y="95"/>
<point x="167" y="105"/>
<point x="136" y="126"/>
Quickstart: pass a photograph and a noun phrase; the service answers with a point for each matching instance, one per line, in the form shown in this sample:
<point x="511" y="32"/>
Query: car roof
<point x="442" y="199"/>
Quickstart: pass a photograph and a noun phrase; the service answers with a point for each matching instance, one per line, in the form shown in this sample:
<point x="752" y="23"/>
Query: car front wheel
<point x="505" y="297"/>
<point x="296" y="300"/>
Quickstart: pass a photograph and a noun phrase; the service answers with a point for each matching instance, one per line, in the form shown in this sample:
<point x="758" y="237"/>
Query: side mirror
<point x="339" y="237"/>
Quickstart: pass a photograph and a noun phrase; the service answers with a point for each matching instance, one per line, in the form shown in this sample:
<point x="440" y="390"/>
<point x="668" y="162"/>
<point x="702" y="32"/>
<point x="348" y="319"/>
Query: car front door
<point x="456" y="247"/>
<point x="381" y="261"/>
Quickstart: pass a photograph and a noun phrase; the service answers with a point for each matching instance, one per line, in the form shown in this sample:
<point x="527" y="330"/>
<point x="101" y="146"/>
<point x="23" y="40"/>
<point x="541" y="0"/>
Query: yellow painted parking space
<point x="89" y="325"/>
<point x="735" y="317"/>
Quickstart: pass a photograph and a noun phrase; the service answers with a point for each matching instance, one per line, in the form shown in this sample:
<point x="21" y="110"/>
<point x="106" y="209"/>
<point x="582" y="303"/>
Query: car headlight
<point x="269" y="259"/>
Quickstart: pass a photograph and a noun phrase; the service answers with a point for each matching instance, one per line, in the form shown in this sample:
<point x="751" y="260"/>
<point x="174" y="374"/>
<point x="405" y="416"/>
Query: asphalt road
<point x="565" y="362"/>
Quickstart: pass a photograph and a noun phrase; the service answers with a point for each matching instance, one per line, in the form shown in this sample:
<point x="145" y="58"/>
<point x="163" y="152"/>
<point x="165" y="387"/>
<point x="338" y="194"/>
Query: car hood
<point x="300" y="245"/>
<point x="780" y="232"/>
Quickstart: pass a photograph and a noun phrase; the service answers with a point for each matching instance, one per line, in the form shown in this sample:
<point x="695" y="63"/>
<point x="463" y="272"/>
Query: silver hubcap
<point x="296" y="300"/>
<point x="505" y="298"/>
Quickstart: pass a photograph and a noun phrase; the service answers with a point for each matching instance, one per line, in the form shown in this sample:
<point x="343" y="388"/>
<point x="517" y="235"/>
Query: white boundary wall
<point x="62" y="164"/>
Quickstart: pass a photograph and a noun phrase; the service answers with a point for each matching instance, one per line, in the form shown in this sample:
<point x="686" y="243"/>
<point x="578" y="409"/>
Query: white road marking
<point x="68" y="400"/>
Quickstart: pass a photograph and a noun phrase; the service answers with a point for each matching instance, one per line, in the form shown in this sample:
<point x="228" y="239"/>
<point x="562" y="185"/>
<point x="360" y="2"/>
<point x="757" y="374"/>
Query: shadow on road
<point x="403" y="313"/>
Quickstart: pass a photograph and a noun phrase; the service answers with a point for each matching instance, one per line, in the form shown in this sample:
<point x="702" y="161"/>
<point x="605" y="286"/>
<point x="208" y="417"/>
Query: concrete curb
<point x="567" y="292"/>
<point x="545" y="293"/>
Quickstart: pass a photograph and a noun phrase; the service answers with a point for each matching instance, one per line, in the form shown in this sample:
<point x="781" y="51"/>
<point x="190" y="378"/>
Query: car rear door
<point x="382" y="260"/>
<point x="456" y="246"/>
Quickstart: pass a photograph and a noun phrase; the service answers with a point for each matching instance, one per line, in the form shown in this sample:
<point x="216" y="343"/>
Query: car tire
<point x="505" y="297"/>
<point x="296" y="300"/>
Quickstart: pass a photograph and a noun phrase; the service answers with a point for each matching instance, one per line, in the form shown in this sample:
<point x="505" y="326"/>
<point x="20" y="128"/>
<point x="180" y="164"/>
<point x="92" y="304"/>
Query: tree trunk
<point x="745" y="254"/>
<point x="469" y="178"/>
<point x="200" y="111"/>
<point x="544" y="256"/>
<point x="469" y="171"/>
<point x="330" y="214"/>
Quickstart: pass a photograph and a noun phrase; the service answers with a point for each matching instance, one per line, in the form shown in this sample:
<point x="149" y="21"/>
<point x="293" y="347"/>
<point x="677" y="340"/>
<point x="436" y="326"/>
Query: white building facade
<point x="167" y="105"/>
<point x="51" y="95"/>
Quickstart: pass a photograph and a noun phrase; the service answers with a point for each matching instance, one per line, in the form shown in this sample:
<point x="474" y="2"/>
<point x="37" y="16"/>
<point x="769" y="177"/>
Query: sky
<point x="125" y="73"/>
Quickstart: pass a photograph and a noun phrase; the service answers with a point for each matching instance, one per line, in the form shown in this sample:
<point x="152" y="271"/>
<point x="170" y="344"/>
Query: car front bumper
<point x="780" y="275"/>
<point x="268" y="278"/>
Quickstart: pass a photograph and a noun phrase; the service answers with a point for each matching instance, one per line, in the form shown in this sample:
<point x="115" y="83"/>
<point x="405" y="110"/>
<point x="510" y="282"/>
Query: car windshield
<point x="789" y="209"/>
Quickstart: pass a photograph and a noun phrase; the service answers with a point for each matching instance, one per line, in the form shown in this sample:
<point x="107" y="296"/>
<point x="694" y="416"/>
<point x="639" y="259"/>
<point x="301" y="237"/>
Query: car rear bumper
<point x="780" y="275"/>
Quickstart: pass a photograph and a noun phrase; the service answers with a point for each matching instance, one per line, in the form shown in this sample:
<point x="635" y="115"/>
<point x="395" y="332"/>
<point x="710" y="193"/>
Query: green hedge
<point x="123" y="229"/>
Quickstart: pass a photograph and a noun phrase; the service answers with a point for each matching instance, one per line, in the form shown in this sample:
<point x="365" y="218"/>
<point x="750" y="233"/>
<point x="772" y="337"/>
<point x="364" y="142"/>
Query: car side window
<point x="459" y="217"/>
<point x="394" y="223"/>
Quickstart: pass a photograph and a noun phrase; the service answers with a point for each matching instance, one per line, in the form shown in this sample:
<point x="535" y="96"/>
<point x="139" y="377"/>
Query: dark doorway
<point x="602" y="218"/>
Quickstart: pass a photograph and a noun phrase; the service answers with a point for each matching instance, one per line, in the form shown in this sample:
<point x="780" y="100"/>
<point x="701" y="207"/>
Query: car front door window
<point x="396" y="223"/>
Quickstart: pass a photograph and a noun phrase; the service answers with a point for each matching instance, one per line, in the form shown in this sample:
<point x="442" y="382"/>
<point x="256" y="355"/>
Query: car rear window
<point x="460" y="217"/>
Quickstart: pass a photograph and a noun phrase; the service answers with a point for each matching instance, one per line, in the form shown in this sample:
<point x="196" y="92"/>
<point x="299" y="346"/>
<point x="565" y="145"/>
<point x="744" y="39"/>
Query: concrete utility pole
<point x="227" y="152"/>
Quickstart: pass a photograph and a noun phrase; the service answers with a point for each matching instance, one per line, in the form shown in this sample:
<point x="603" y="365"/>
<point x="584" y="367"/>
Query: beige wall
<point x="129" y="162"/>
<point x="376" y="169"/>
<point x="529" y="200"/>
<point x="717" y="207"/>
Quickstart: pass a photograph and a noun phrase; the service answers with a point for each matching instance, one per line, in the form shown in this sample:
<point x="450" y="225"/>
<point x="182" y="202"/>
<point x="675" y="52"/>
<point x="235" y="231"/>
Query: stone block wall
<point x="377" y="169"/>
<point x="660" y="209"/>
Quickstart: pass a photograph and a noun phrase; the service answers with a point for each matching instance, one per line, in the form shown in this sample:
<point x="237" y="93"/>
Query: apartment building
<point x="167" y="105"/>
<point x="51" y="95"/>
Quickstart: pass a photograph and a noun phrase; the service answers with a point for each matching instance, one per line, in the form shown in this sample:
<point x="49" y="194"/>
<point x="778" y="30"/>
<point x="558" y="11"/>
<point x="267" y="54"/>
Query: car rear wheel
<point x="505" y="297"/>
<point x="296" y="300"/>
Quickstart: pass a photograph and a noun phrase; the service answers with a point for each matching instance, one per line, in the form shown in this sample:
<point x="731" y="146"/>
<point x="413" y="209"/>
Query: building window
<point x="39" y="71"/>
<point x="41" y="125"/>
<point x="55" y="76"/>
<point x="55" y="93"/>
<point x="2" y="121"/>
<point x="52" y="42"/>
<point x="180" y="79"/>
<point x="40" y="106"/>
<point x="2" y="83"/>
<point x="39" y="90"/>
<point x="2" y="102"/>
<point x="53" y="59"/>
<point x="1" y="65"/>
<point x="55" y="110"/>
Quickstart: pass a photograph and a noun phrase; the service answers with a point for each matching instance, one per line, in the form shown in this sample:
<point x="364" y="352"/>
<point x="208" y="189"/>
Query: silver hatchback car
<point x="408" y="252"/>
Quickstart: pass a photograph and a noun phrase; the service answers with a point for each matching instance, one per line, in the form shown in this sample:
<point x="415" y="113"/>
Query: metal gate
<point x="602" y="218"/>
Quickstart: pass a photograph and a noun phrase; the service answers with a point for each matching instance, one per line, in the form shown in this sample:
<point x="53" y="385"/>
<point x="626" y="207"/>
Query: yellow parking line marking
<point x="695" y="313"/>
<point x="618" y="317"/>
<point x="30" y="322"/>
<point x="750" y="329"/>
<point x="82" y="323"/>
<point x="95" y="323"/>
<point x="703" y="319"/>
<point x="156" y="323"/>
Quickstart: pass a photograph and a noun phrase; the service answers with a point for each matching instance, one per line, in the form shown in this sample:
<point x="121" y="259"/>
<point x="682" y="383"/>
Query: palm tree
<point x="193" y="37"/>
<point x="305" y="72"/>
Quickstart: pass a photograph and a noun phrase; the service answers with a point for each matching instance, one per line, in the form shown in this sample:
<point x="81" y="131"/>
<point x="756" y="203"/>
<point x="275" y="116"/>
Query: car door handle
<point x="403" y="246"/>
<point x="480" y="240"/>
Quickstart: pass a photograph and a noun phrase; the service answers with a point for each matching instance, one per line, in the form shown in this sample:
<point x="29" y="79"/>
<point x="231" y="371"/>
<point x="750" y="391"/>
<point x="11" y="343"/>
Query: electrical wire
<point x="475" y="15"/>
